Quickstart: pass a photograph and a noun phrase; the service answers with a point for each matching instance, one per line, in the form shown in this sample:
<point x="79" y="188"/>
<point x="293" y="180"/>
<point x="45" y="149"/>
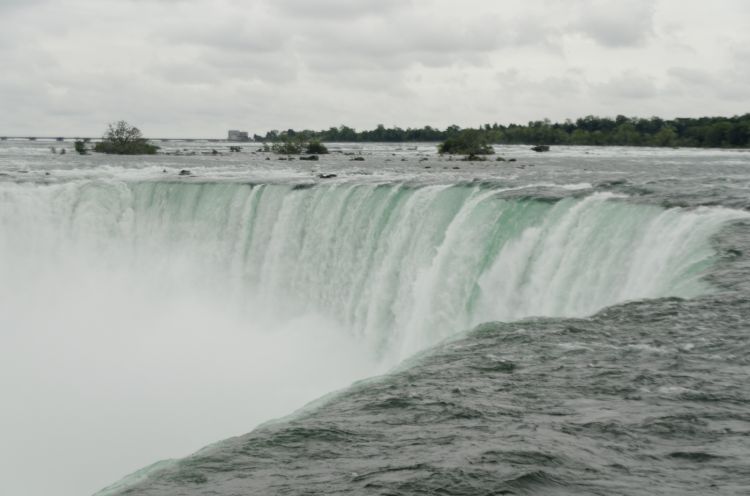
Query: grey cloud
<point x="531" y="32"/>
<point x="365" y="81"/>
<point x="186" y="73"/>
<point x="18" y="4"/>
<point x="546" y="90"/>
<point x="616" y="24"/>
<point x="192" y="66"/>
<point x="215" y="70"/>
<point x="741" y="60"/>
<point x="336" y="9"/>
<point x="729" y="85"/>
<point x="479" y="35"/>
<point x="408" y="43"/>
<point x="254" y="67"/>
<point x="362" y="44"/>
<point x="628" y="85"/>
<point x="227" y="35"/>
<point x="691" y="76"/>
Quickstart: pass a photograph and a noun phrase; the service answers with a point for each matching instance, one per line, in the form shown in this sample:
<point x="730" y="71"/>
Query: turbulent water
<point x="568" y="323"/>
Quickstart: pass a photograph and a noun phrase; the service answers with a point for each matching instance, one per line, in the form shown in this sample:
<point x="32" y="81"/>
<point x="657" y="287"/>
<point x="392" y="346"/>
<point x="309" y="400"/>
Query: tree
<point x="316" y="147"/>
<point x="589" y="130"/>
<point x="80" y="147"/>
<point x="288" y="146"/>
<point x="123" y="139"/>
<point x="467" y="142"/>
<point x="666" y="136"/>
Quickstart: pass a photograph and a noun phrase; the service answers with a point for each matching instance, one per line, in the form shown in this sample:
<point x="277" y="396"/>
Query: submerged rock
<point x="474" y="158"/>
<point x="185" y="172"/>
<point x="540" y="148"/>
<point x="358" y="159"/>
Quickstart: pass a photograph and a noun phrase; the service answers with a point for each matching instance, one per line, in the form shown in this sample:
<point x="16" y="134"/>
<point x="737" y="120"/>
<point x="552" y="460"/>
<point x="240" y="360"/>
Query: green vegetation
<point x="287" y="148"/>
<point x="123" y="139"/>
<point x="470" y="142"/>
<point x="80" y="147"/>
<point x="713" y="132"/>
<point x="295" y="144"/>
<point x="315" y="147"/>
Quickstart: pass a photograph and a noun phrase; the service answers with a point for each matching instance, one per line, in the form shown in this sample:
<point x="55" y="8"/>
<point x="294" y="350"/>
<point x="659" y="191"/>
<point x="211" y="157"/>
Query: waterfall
<point x="399" y="267"/>
<point x="182" y="313"/>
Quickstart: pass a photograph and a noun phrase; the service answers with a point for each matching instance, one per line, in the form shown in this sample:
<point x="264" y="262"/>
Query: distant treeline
<point x="699" y="132"/>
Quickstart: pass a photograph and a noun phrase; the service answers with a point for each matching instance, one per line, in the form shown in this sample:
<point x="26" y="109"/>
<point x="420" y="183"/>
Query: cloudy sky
<point x="199" y="67"/>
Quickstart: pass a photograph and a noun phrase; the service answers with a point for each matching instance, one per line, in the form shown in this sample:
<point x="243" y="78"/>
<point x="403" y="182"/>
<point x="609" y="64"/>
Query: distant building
<point x="234" y="135"/>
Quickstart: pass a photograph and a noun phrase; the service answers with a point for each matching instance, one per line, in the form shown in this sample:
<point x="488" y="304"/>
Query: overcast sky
<point x="200" y="67"/>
